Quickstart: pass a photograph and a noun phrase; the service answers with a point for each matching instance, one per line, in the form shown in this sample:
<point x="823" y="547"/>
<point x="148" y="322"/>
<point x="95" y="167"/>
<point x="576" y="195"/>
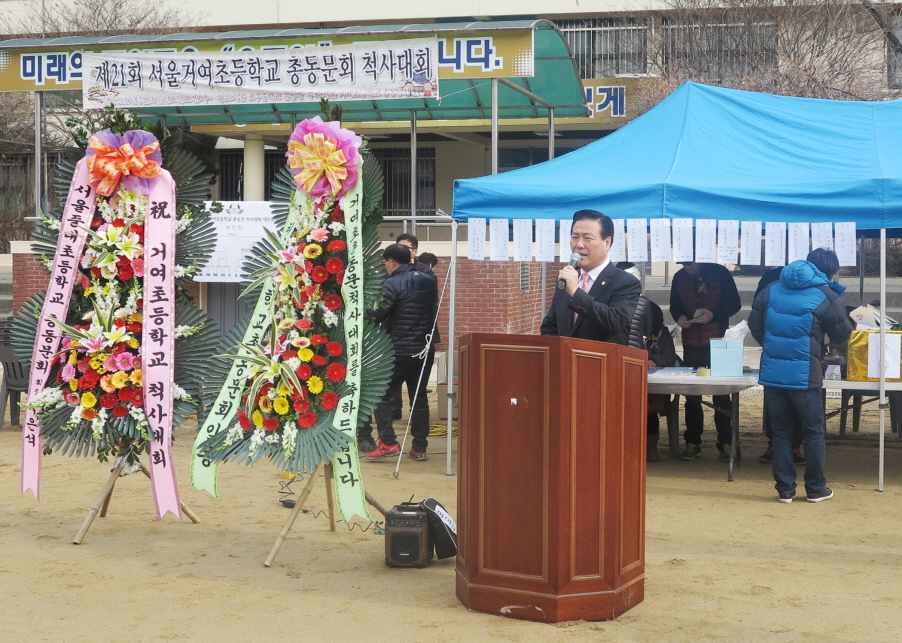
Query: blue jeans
<point x="790" y="411"/>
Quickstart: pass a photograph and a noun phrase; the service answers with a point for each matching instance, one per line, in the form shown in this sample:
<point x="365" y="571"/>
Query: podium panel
<point x="551" y="497"/>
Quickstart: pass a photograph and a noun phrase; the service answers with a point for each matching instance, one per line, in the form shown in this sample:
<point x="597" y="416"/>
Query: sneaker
<point x="383" y="451"/>
<point x="416" y="455"/>
<point x="366" y="445"/>
<point x="725" y="450"/>
<point x="787" y="497"/>
<point x="797" y="457"/>
<point x="826" y="494"/>
<point x="691" y="452"/>
<point x="767" y="457"/>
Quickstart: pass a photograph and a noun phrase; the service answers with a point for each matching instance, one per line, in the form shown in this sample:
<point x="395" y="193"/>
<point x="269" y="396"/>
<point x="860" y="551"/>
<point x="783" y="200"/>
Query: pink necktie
<point x="584" y="286"/>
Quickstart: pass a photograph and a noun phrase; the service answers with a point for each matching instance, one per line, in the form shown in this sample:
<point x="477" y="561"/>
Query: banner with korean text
<point x="362" y="71"/>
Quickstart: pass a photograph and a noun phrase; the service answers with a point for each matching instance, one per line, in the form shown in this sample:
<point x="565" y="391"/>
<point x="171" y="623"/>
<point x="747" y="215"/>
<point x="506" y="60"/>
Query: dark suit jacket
<point x="604" y="312"/>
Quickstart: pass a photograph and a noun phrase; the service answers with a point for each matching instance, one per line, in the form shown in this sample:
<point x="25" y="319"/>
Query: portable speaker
<point x="407" y="542"/>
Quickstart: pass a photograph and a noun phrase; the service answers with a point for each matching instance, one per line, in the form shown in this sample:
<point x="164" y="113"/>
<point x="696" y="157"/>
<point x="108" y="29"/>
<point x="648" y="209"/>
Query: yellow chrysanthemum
<point x="97" y="360"/>
<point x="313" y="250"/>
<point x="133" y="343"/>
<point x="73" y="357"/>
<point x="283" y="389"/>
<point x="135" y="377"/>
<point x="106" y="290"/>
<point x="119" y="379"/>
<point x="315" y="385"/>
<point x="136" y="318"/>
<point x="89" y="291"/>
<point x="305" y="354"/>
<point x="88" y="400"/>
<point x="73" y="384"/>
<point x="280" y="405"/>
<point x="257" y="419"/>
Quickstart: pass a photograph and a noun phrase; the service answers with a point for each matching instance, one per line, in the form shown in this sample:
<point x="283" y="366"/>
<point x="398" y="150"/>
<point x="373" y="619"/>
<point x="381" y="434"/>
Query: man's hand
<point x="682" y="322"/>
<point x="571" y="279"/>
<point x="706" y="316"/>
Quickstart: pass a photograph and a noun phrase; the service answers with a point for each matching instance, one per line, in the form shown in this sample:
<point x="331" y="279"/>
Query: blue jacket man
<point x="790" y="319"/>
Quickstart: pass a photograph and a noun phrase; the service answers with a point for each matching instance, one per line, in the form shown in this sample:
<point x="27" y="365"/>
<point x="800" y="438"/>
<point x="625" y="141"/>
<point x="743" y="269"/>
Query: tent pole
<point x="413" y="172"/>
<point x="494" y="126"/>
<point x="861" y="242"/>
<point x="882" y="398"/>
<point x="449" y="376"/>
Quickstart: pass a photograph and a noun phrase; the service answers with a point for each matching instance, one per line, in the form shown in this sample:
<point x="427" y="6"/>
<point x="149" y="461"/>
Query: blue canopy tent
<point x="713" y="153"/>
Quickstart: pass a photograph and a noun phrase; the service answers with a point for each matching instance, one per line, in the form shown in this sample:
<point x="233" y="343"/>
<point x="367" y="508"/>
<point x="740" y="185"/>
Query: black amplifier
<point x="407" y="542"/>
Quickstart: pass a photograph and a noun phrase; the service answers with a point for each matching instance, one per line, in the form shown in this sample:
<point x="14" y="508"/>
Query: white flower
<point x="48" y="399"/>
<point x="187" y="331"/>
<point x="234" y="436"/>
<point x="182" y="271"/>
<point x="272" y="438"/>
<point x="336" y="227"/>
<point x="289" y="438"/>
<point x="257" y="438"/>
<point x="180" y="394"/>
<point x="98" y="423"/>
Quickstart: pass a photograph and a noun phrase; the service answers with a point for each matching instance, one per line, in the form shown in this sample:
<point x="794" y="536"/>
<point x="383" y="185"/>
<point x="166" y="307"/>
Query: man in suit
<point x="598" y="300"/>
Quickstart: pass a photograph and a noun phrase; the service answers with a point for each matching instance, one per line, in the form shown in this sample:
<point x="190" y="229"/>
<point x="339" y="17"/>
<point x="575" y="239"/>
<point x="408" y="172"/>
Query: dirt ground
<point x="725" y="561"/>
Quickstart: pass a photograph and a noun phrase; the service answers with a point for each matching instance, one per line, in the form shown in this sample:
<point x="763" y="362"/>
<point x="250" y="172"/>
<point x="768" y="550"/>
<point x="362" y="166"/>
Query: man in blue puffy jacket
<point x="789" y="319"/>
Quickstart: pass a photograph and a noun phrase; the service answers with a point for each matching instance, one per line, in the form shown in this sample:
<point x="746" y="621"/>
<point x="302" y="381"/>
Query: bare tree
<point x="814" y="48"/>
<point x="49" y="18"/>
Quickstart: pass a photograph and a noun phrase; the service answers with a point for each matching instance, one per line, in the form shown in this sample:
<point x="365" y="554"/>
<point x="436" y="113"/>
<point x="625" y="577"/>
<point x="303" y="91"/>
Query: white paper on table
<point x="522" y="239"/>
<point x="476" y="239"/>
<point x="544" y="239"/>
<point x="845" y="243"/>
<point x="498" y="250"/>
<point x="798" y="241"/>
<point x="682" y="240"/>
<point x="617" y="253"/>
<point x="706" y="240"/>
<point x="660" y="239"/>
<point x="728" y="241"/>
<point x="750" y="243"/>
<point x="893" y="348"/>
<point x="822" y="235"/>
<point x="637" y="240"/>
<point x="775" y="243"/>
<point x="564" y="240"/>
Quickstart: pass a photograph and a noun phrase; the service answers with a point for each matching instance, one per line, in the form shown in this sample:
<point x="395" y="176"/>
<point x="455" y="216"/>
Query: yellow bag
<point x="857" y="356"/>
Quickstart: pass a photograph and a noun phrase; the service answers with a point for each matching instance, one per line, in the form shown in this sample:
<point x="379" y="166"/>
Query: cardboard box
<point x="857" y="356"/>
<point x="726" y="358"/>
<point x="441" y="366"/>
<point x="443" y="402"/>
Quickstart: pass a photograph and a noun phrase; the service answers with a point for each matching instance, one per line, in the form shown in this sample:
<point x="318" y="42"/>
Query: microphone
<point x="575" y="258"/>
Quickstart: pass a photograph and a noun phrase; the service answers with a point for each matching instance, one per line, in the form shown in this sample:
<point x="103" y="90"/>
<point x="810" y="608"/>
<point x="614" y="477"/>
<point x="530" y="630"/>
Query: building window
<point x="395" y="163"/>
<point x="607" y="47"/>
<point x="231" y="174"/>
<point x="720" y="52"/>
<point x="513" y="158"/>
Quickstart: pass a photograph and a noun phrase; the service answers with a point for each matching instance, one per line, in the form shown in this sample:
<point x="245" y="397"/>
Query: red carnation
<point x="117" y="223"/>
<point x="119" y="323"/>
<point x="120" y="411"/>
<point x="122" y="260"/>
<point x="137" y="228"/>
<point x="126" y="393"/>
<point x="270" y="423"/>
<point x="138" y="398"/>
<point x="329" y="400"/>
<point x="289" y="355"/>
<point x="304" y="371"/>
<point x="318" y="339"/>
<point x="334" y="349"/>
<point x="307" y="420"/>
<point x="336" y="246"/>
<point x="319" y="274"/>
<point x="243" y="420"/>
<point x="337" y="214"/>
<point x="308" y="266"/>
<point x="336" y="372"/>
<point x="318" y="360"/>
<point x="301" y="405"/>
<point x="96" y="272"/>
<point x="303" y="324"/>
<point x="332" y="302"/>
<point x="109" y="400"/>
<point x="126" y="273"/>
<point x="334" y="265"/>
<point x="133" y="327"/>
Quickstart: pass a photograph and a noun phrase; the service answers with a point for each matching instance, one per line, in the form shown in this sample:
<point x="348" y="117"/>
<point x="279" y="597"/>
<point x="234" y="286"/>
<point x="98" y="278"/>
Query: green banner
<point x="346" y="465"/>
<point x="204" y="472"/>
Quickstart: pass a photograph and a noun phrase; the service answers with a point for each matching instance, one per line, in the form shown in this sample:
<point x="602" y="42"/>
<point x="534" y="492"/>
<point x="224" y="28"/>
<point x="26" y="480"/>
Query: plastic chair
<point x="15" y="382"/>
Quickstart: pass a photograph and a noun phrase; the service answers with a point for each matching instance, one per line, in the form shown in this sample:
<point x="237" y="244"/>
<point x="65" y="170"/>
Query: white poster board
<point x="775" y="243"/>
<point x="728" y="241"/>
<point x="498" y="240"/>
<point x="660" y="239"/>
<point x="682" y="240"/>
<point x="617" y="253"/>
<point x="706" y="240"/>
<point x="522" y="239"/>
<point x="564" y="240"/>
<point x="893" y="348"/>
<point x="750" y="244"/>
<point x="845" y="243"/>
<point x="239" y="225"/>
<point x="545" y="240"/>
<point x="637" y="240"/>
<point x="798" y="241"/>
<point x="476" y="239"/>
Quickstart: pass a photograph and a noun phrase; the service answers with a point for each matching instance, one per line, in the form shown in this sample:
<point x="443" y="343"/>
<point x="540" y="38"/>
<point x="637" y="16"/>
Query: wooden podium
<point x="551" y="497"/>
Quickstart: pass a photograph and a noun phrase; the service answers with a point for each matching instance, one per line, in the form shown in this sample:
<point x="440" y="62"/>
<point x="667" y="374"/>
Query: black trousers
<point x="694" y="415"/>
<point x="407" y="371"/>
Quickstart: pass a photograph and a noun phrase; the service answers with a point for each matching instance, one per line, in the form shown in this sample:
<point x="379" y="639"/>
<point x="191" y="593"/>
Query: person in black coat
<point x="598" y="300"/>
<point x="408" y="316"/>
